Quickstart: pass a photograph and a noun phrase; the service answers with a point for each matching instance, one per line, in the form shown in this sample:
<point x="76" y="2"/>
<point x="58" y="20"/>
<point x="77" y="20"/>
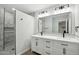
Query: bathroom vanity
<point x="55" y="45"/>
<point x="58" y="33"/>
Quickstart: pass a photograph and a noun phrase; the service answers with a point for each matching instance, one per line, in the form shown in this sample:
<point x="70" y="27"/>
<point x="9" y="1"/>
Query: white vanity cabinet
<point x="65" y="48"/>
<point x="37" y="45"/>
<point x="71" y="49"/>
<point x="54" y="47"/>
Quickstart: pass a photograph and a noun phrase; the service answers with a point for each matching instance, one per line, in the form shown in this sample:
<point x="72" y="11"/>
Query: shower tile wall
<point x="1" y="27"/>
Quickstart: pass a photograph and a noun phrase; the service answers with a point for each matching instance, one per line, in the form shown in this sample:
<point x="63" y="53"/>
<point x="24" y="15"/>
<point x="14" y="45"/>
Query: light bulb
<point x="13" y="9"/>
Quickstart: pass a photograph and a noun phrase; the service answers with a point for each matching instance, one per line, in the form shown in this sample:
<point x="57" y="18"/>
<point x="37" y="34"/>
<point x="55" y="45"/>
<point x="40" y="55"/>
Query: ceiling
<point x="27" y="8"/>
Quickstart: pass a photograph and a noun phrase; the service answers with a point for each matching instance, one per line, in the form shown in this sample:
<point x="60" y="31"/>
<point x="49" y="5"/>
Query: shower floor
<point x="9" y="49"/>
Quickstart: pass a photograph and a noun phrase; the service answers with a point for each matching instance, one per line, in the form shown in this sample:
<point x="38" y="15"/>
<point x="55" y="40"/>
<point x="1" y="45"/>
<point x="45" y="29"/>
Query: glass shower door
<point x="1" y="28"/>
<point x="9" y="32"/>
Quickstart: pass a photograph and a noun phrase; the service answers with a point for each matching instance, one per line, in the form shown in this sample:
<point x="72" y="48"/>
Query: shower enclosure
<point x="7" y="32"/>
<point x="16" y="29"/>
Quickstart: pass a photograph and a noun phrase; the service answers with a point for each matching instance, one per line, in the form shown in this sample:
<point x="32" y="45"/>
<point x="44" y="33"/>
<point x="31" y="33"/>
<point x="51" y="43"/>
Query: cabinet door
<point x="57" y="48"/>
<point x="40" y="46"/>
<point x="34" y="44"/>
<point x="72" y="49"/>
<point x="37" y="45"/>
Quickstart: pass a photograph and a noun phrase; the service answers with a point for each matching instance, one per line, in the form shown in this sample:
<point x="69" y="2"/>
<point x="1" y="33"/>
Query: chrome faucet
<point x="64" y="33"/>
<point x="41" y="33"/>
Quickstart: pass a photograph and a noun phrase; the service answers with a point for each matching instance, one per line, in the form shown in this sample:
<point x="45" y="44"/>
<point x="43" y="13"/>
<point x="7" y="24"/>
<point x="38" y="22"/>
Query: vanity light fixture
<point x="54" y="9"/>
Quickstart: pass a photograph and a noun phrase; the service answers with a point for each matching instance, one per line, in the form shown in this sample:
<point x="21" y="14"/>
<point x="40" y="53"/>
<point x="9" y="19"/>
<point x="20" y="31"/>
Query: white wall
<point x="24" y="30"/>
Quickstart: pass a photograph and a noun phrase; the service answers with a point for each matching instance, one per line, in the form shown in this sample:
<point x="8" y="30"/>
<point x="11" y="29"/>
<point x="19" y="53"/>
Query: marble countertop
<point x="68" y="37"/>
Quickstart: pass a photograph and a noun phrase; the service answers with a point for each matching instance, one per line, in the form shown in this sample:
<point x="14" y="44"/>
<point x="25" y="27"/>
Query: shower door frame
<point x="14" y="15"/>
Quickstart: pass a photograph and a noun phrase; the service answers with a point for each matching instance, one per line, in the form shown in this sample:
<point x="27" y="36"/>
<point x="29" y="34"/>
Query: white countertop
<point x="68" y="38"/>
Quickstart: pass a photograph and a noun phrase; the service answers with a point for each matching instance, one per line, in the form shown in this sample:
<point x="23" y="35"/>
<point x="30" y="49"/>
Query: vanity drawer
<point x="56" y="45"/>
<point x="70" y="45"/>
<point x="47" y="52"/>
<point x="38" y="50"/>
<point x="57" y="52"/>
<point x="48" y="44"/>
<point x="65" y="48"/>
<point x="65" y="44"/>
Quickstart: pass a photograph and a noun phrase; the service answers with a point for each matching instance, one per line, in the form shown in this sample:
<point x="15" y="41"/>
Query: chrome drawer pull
<point x="65" y="44"/>
<point x="36" y="43"/>
<point x="48" y="41"/>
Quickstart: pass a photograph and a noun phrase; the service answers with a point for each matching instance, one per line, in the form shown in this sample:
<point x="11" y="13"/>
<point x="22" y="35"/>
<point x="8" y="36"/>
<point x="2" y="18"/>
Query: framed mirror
<point x="56" y="23"/>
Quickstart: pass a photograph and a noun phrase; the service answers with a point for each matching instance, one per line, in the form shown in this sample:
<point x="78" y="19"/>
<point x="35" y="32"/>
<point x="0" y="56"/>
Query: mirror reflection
<point x="56" y="23"/>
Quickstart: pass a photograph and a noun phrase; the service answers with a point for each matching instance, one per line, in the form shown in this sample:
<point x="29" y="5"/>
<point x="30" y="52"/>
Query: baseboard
<point x="23" y="51"/>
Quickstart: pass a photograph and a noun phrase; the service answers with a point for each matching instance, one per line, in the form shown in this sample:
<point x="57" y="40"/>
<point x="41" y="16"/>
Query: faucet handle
<point x="64" y="31"/>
